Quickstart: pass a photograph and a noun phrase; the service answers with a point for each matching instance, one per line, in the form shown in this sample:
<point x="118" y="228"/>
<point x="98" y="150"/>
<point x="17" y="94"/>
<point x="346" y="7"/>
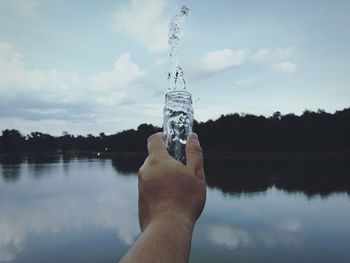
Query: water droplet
<point x="176" y="76"/>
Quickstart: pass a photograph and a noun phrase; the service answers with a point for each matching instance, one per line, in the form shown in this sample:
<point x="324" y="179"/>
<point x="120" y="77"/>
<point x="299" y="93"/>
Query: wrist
<point x="173" y="220"/>
<point x="167" y="238"/>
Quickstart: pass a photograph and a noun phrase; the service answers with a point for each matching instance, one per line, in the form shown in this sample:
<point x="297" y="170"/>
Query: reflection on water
<point x="127" y="166"/>
<point x="311" y="177"/>
<point x="81" y="209"/>
<point x="11" y="172"/>
<point x="80" y="197"/>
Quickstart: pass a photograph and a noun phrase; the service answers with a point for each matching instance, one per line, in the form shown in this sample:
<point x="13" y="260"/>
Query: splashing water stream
<point x="178" y="111"/>
<point x="176" y="76"/>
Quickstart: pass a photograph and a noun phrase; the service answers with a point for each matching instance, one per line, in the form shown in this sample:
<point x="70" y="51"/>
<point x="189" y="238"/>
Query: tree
<point x="12" y="140"/>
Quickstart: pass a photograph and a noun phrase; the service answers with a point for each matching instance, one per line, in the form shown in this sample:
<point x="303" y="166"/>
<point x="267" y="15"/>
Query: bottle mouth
<point x="178" y="94"/>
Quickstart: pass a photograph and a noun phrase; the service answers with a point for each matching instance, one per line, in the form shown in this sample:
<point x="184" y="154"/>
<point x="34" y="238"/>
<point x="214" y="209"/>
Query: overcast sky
<point x="101" y="66"/>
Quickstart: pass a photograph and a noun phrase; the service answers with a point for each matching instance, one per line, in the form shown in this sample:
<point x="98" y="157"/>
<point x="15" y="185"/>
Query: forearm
<point x="164" y="240"/>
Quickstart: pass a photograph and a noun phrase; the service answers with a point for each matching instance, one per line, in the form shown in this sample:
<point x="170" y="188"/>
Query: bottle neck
<point x="178" y="96"/>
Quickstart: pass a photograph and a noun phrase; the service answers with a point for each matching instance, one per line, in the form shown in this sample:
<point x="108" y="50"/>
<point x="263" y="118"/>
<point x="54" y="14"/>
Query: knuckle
<point x="197" y="149"/>
<point x="141" y="174"/>
<point x="153" y="160"/>
<point x="143" y="167"/>
<point x="200" y="173"/>
<point x="153" y="136"/>
<point x="150" y="138"/>
<point x="141" y="171"/>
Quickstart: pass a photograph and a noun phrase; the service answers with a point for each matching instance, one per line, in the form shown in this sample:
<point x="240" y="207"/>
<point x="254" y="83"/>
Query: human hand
<point x="171" y="198"/>
<point x="169" y="190"/>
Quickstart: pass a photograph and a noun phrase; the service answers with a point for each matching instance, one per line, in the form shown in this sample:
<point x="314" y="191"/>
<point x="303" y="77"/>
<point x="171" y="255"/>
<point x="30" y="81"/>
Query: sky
<point x="101" y="66"/>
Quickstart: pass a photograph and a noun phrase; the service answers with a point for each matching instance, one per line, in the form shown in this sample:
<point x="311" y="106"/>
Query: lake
<point x="84" y="209"/>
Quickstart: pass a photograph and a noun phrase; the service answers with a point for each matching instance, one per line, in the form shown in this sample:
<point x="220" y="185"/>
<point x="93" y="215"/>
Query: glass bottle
<point x="178" y="121"/>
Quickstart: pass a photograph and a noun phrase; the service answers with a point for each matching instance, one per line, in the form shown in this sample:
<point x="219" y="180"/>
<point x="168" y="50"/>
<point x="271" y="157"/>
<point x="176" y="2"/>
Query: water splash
<point x="176" y="78"/>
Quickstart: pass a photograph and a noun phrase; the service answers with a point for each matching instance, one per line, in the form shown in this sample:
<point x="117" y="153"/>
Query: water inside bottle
<point x="178" y="119"/>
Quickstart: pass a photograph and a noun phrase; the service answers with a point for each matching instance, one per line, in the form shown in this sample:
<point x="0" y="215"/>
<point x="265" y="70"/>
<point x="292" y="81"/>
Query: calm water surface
<point x="74" y="209"/>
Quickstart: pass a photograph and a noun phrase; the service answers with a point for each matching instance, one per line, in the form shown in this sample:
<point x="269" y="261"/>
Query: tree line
<point x="310" y="132"/>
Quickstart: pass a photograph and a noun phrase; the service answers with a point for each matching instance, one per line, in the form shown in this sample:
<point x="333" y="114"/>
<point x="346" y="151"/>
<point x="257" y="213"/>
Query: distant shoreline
<point x="221" y="155"/>
<point x="209" y="155"/>
<point x="276" y="155"/>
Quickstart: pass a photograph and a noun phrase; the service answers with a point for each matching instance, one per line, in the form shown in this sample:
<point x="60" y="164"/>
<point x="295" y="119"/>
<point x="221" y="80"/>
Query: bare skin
<point x="171" y="198"/>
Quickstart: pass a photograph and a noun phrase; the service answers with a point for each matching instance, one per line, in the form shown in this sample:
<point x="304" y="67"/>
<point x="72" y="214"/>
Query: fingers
<point x="194" y="154"/>
<point x="155" y="144"/>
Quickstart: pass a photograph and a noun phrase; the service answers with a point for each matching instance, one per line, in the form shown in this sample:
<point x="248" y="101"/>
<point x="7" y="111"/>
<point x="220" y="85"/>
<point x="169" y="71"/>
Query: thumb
<point x="194" y="155"/>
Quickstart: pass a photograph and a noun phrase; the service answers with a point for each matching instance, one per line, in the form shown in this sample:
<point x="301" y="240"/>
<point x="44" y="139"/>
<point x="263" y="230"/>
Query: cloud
<point x="5" y="48"/>
<point x="229" y="236"/>
<point x="124" y="74"/>
<point x="291" y="225"/>
<point x="273" y="55"/>
<point x="234" y="236"/>
<point x="212" y="112"/>
<point x="249" y="83"/>
<point x="285" y="67"/>
<point x="51" y="94"/>
<point x="159" y="62"/>
<point x="221" y="60"/>
<point x="21" y="6"/>
<point x="6" y="256"/>
<point x="143" y="20"/>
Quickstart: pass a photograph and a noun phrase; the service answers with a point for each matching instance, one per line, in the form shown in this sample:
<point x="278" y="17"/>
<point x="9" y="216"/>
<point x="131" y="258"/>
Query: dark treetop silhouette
<point x="315" y="132"/>
<point x="311" y="132"/>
